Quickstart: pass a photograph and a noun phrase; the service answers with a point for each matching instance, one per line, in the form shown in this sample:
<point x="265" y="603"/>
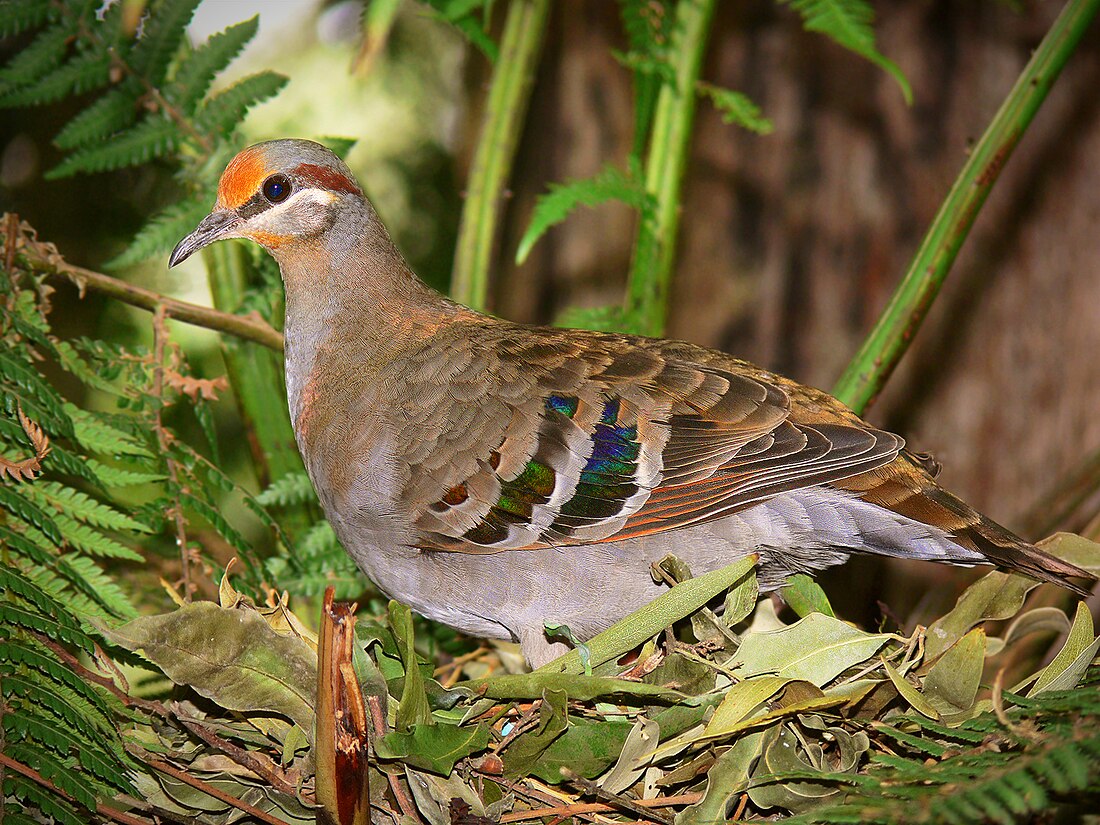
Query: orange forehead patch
<point x="241" y="178"/>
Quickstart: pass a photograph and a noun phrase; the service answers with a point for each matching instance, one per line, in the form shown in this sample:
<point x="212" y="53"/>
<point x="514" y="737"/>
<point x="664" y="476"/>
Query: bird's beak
<point x="215" y="226"/>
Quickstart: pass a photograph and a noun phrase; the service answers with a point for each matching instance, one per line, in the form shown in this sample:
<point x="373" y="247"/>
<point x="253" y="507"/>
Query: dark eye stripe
<point x="254" y="206"/>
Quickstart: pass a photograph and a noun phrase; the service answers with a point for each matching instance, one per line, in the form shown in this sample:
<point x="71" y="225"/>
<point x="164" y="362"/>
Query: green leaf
<point x="112" y="476"/>
<point x="413" y="708"/>
<point x="951" y="685"/>
<point x="20" y="15"/>
<point x="231" y="657"/>
<point x="433" y="748"/>
<point x="587" y="748"/>
<point x="554" y="207"/>
<point x="849" y="23"/>
<point x="741" y="600"/>
<point x="662" y="612"/>
<point x="1080" y="648"/>
<point x="805" y="596"/>
<point x="521" y="756"/>
<point x="728" y="777"/>
<point x="22" y="508"/>
<point x="740" y="701"/>
<point x="996" y="595"/>
<point x="910" y="693"/>
<point x="641" y="738"/>
<point x="815" y="649"/>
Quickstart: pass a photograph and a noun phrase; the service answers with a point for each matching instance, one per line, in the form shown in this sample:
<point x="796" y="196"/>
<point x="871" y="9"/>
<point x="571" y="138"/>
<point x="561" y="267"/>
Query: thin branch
<point x="884" y="347"/>
<point x="243" y="757"/>
<point x="35" y="776"/>
<point x="598" y="807"/>
<point x="616" y="801"/>
<point x="152" y="761"/>
<point x="42" y="257"/>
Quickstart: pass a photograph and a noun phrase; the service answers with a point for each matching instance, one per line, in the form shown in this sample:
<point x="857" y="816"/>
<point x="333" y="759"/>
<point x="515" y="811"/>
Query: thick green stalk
<point x="255" y="373"/>
<point x="670" y="139"/>
<point x="884" y="347"/>
<point x="509" y="93"/>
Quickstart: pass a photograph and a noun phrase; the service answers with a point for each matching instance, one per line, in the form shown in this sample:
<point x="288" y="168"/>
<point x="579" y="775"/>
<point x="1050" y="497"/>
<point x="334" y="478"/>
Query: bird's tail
<point x="908" y="489"/>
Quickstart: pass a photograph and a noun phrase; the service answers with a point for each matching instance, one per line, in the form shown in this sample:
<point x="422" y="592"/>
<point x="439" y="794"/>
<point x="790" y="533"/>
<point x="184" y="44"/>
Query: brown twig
<point x="616" y="801"/>
<point x="598" y="807"/>
<point x="43" y="257"/>
<point x="378" y="721"/>
<point x="243" y="757"/>
<point x="183" y="776"/>
<point x="35" y="776"/>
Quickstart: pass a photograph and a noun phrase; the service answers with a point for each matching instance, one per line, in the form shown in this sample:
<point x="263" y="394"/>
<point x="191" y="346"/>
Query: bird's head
<point x="279" y="194"/>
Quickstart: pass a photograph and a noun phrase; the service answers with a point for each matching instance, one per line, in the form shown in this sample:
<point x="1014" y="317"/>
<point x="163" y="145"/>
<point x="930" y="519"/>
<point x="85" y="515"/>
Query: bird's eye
<point x="277" y="188"/>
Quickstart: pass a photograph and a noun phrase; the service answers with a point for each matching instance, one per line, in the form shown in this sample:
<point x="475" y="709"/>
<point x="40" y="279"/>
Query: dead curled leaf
<point x="26" y="469"/>
<point x="196" y="388"/>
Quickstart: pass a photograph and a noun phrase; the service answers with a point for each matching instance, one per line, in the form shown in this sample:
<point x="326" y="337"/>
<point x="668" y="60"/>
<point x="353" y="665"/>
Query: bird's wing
<point x="553" y="439"/>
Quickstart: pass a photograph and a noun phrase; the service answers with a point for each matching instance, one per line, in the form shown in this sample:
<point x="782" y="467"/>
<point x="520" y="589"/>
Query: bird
<point x="498" y="477"/>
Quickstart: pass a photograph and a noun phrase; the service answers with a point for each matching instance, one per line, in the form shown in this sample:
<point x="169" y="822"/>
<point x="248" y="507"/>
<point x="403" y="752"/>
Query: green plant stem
<point x="670" y="139"/>
<point x="884" y="347"/>
<point x="509" y="93"/>
<point x="255" y="374"/>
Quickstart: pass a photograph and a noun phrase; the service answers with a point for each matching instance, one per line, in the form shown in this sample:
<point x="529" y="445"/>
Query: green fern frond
<point x="198" y="69"/>
<point x="82" y="73"/>
<point x="89" y="540"/>
<point x="289" y="491"/>
<point x="555" y="206"/>
<point x="849" y="24"/>
<point x="154" y="137"/>
<point x="31" y="513"/>
<point x="49" y="730"/>
<point x="58" y="810"/>
<point x="737" y="108"/>
<point x="224" y="111"/>
<point x="100" y="437"/>
<point x="62" y="776"/>
<point x="20" y="15"/>
<point x="83" y="507"/>
<point x="28" y="618"/>
<point x="161" y="33"/>
<point x="218" y="522"/>
<point x="471" y="18"/>
<point x="161" y="233"/>
<point x="111" y="476"/>
<point x="113" y="112"/>
<point x="32" y="654"/>
<point x="29" y="384"/>
<point x="44" y="53"/>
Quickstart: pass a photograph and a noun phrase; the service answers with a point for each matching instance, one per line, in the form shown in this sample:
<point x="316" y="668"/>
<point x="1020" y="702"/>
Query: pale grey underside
<point x="511" y="595"/>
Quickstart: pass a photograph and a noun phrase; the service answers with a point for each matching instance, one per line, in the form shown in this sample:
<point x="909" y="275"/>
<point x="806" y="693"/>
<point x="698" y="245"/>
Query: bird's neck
<point x="352" y="301"/>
